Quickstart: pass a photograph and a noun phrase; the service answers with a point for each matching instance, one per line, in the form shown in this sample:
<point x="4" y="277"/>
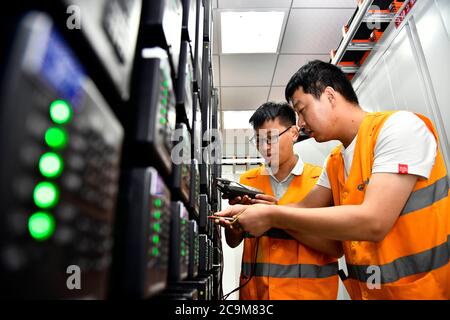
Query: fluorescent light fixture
<point x="250" y="31"/>
<point x="237" y="119"/>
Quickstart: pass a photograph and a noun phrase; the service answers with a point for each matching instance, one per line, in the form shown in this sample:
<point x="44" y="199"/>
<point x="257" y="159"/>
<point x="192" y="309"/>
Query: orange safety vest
<point x="412" y="261"/>
<point x="286" y="269"/>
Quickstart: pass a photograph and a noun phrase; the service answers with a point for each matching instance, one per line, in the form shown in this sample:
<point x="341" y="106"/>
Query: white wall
<point x="411" y="69"/>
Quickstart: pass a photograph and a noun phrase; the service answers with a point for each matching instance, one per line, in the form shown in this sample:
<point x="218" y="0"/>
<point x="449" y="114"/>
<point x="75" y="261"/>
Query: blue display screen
<point x="62" y="70"/>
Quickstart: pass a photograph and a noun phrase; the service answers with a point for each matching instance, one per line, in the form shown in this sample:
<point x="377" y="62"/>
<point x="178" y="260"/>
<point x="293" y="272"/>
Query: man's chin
<point x="272" y="163"/>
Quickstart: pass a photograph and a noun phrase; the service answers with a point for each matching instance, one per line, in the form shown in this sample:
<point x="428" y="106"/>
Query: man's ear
<point x="295" y="133"/>
<point x="330" y="94"/>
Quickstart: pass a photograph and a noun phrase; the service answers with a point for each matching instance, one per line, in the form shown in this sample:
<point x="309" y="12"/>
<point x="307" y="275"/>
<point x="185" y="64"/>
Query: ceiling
<point x="311" y="29"/>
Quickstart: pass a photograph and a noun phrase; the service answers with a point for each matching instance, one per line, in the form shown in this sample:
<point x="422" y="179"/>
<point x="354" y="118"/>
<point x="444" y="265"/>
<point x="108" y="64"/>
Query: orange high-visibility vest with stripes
<point x="412" y="261"/>
<point x="286" y="269"/>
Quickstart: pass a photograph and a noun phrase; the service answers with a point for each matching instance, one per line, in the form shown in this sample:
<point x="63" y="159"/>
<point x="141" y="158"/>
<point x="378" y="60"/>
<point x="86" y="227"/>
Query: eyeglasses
<point x="272" y="139"/>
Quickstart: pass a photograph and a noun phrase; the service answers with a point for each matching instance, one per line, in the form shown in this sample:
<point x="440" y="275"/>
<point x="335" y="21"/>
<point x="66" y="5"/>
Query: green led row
<point x="41" y="224"/>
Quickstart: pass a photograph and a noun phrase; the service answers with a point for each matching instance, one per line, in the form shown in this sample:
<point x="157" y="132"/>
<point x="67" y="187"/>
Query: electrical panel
<point x="194" y="249"/>
<point x="57" y="133"/>
<point x="155" y="105"/>
<point x="181" y="174"/>
<point x="194" y="197"/>
<point x="204" y="248"/>
<point x="111" y="28"/>
<point x="185" y="87"/>
<point x="205" y="92"/>
<point x="179" y="243"/>
<point x="198" y="45"/>
<point x="161" y="26"/>
<point x="205" y="209"/>
<point x="144" y="236"/>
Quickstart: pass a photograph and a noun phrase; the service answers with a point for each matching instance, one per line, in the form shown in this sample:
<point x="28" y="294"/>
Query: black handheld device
<point x="232" y="189"/>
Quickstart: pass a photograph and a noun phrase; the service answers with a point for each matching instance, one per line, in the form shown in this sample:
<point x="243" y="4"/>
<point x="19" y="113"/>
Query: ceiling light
<point x="237" y="119"/>
<point x="251" y="32"/>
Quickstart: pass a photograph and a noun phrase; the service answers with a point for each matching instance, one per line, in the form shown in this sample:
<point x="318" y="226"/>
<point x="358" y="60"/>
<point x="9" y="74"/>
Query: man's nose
<point x="300" y="121"/>
<point x="301" y="124"/>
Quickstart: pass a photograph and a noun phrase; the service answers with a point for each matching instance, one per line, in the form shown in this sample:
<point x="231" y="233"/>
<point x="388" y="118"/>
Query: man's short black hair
<point x="272" y="110"/>
<point x="315" y="76"/>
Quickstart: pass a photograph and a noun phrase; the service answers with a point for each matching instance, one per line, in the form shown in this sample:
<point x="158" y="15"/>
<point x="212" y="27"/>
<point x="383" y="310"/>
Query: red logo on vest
<point x="402" y="168"/>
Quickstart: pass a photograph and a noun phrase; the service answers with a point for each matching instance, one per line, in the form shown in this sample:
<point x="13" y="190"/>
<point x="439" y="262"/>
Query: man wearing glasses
<point x="276" y="265"/>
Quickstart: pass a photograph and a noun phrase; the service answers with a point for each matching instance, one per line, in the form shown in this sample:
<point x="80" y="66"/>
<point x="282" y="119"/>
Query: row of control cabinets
<point x="104" y="183"/>
<point x="161" y="246"/>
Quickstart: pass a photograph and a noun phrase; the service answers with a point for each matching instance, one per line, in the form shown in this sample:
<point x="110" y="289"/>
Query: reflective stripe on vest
<point x="425" y="197"/>
<point x="425" y="261"/>
<point x="291" y="270"/>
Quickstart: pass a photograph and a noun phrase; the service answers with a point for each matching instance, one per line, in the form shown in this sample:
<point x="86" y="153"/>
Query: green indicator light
<point x="157" y="215"/>
<point x="155" y="239"/>
<point x="45" y="195"/>
<point x="166" y="92"/>
<point x="56" y="138"/>
<point x="183" y="252"/>
<point x="201" y="293"/>
<point x="165" y="84"/>
<point x="41" y="225"/>
<point x="164" y="101"/>
<point x="156" y="227"/>
<point x="158" y="203"/>
<point x="163" y="111"/>
<point x="155" y="251"/>
<point x="183" y="221"/>
<point x="163" y="120"/>
<point x="60" y="112"/>
<point x="50" y="165"/>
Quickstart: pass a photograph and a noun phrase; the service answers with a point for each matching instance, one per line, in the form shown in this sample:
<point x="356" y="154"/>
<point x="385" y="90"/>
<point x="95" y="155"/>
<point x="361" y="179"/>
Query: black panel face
<point x="193" y="249"/>
<point x="194" y="198"/>
<point x="205" y="92"/>
<point x="161" y="27"/>
<point x="181" y="176"/>
<point x="156" y="115"/>
<point x="179" y="242"/>
<point x="59" y="180"/>
<point x="205" y="211"/>
<point x="111" y="27"/>
<point x="146" y="219"/>
<point x="204" y="253"/>
<point x="185" y="87"/>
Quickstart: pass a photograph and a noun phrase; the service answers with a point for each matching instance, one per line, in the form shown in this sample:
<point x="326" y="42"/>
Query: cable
<point x="252" y="273"/>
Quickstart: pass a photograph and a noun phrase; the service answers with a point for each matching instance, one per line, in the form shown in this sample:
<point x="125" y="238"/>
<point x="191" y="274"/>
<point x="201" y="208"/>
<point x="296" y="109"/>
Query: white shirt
<point x="403" y="139"/>
<point x="279" y="188"/>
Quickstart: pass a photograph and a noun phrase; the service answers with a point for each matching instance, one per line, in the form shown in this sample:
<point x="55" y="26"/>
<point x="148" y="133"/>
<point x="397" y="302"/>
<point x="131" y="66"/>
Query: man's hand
<point x="253" y="219"/>
<point x="264" y="199"/>
<point x="238" y="200"/>
<point x="246" y="200"/>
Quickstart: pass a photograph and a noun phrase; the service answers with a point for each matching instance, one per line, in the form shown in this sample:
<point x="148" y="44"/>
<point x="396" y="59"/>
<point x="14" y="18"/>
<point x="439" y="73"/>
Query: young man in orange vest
<point x="276" y="265"/>
<point x="384" y="192"/>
